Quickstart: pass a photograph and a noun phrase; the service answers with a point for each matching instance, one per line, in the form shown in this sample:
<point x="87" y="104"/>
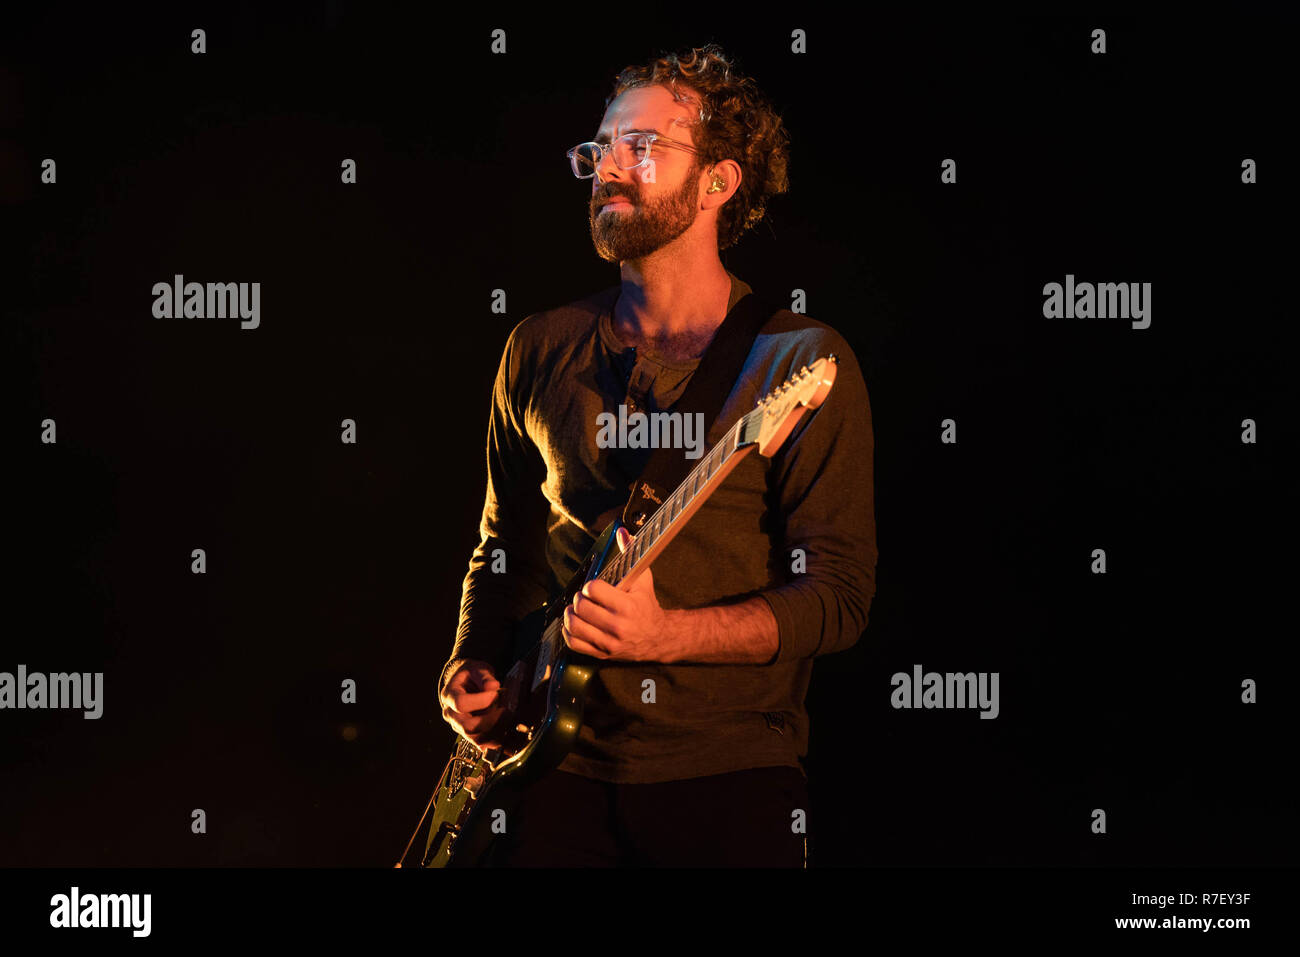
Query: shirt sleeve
<point x="508" y="574"/>
<point x="823" y="477"/>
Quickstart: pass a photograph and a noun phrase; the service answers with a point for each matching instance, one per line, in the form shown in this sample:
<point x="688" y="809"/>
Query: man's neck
<point x="668" y="310"/>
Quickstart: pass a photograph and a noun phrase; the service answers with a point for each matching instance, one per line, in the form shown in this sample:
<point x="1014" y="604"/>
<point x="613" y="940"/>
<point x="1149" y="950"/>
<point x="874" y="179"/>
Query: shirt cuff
<point x="793" y="641"/>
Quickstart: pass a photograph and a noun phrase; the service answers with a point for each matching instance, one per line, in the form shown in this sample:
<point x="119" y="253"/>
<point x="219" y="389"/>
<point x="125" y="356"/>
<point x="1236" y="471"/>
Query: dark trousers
<point x="739" y="819"/>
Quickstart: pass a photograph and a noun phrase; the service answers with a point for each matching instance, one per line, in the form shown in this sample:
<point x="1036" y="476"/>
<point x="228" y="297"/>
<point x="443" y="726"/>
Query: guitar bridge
<point x="457" y="777"/>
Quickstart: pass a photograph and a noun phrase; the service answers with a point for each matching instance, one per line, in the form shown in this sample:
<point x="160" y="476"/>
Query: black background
<point x="329" y="561"/>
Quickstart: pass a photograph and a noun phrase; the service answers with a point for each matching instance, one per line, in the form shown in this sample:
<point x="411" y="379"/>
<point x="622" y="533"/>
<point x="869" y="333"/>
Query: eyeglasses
<point x="630" y="151"/>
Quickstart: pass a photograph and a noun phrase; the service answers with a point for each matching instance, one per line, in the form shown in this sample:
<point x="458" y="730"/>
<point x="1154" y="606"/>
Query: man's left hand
<point x="604" y="622"/>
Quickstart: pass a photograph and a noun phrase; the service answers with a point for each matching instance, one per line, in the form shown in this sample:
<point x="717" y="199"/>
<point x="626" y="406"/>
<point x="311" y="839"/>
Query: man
<point x="695" y="722"/>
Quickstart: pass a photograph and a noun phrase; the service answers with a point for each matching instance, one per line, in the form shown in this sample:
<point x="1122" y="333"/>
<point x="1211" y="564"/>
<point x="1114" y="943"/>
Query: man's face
<point x="664" y="193"/>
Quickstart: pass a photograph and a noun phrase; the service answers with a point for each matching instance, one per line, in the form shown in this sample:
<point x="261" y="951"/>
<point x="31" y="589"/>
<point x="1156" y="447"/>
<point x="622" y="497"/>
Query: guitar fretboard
<point x="664" y="523"/>
<point x="665" y="518"/>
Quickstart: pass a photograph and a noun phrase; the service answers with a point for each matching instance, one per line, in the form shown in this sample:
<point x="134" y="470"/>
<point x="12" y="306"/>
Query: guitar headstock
<point x="781" y="408"/>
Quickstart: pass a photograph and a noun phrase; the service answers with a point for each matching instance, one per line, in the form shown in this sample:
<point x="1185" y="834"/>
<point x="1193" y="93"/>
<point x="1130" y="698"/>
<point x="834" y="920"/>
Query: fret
<point x="663" y="519"/>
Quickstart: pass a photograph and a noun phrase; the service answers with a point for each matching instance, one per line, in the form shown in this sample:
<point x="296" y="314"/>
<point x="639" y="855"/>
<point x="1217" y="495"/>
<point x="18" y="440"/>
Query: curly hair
<point x="736" y="121"/>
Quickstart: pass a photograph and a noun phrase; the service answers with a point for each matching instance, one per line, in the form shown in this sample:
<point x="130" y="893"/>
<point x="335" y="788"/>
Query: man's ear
<point x="727" y="174"/>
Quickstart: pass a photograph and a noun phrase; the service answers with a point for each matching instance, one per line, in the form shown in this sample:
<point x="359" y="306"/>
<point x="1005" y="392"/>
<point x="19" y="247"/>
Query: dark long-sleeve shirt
<point x="797" y="529"/>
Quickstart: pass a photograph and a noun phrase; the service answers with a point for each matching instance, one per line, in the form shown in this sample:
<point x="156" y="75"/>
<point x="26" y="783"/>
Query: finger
<point x="624" y="539"/>
<point x="582" y="647"/>
<point x="483" y="679"/>
<point x="574" y="628"/>
<point x="477" y="680"/>
<point x="607" y="596"/>
<point x="469" y="702"/>
<point x="473" y="724"/>
<point x="588" y="610"/>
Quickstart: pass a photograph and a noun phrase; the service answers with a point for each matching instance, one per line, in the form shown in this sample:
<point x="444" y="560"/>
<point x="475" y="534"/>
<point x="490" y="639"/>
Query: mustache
<point x="598" y="201"/>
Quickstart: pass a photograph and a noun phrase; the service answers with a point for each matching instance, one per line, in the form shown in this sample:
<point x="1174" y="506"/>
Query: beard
<point x="623" y="234"/>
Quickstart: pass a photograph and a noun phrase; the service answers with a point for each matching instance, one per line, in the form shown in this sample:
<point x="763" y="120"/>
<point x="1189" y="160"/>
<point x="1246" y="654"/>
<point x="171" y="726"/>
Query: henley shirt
<point x="797" y="529"/>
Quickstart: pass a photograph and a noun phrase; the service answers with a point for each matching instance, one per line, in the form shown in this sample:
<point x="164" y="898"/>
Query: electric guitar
<point x="543" y="693"/>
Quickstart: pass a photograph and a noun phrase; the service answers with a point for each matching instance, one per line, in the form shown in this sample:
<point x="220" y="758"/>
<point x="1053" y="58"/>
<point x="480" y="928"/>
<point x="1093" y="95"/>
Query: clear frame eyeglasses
<point x="630" y="151"/>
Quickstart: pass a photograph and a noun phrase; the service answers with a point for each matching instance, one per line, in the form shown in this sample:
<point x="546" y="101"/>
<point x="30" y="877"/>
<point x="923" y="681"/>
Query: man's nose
<point x="604" y="173"/>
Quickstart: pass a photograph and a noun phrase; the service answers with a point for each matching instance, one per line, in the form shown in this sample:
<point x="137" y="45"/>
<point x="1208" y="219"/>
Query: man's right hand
<point x="469" y="704"/>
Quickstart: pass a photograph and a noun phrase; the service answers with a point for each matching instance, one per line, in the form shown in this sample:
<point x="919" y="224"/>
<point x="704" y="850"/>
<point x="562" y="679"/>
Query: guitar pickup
<point x="543" y="672"/>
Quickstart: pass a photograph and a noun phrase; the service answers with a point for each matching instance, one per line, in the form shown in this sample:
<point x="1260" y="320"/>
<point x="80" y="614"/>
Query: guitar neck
<point x="765" y="428"/>
<point x="671" y="517"/>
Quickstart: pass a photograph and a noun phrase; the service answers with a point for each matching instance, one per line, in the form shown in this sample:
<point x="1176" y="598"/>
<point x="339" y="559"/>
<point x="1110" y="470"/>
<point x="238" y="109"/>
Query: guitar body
<point x="544" y="694"/>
